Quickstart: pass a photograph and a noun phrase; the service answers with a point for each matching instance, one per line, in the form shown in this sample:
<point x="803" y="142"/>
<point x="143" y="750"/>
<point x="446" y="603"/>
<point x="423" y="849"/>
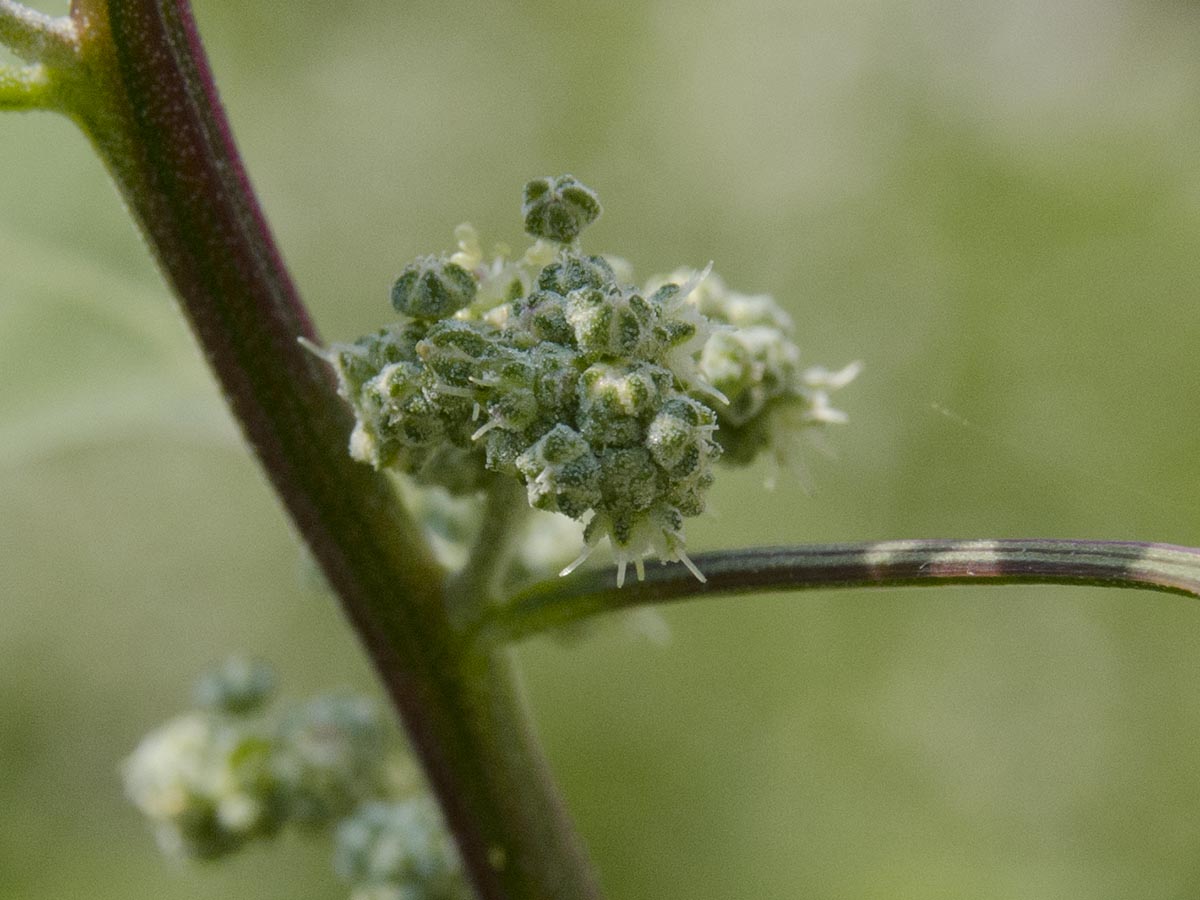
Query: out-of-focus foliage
<point x="995" y="206"/>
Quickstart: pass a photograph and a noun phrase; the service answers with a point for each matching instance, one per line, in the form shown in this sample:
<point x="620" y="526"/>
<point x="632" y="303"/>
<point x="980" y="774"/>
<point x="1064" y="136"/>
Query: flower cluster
<point x="399" y="851"/>
<point x="217" y="778"/>
<point x="751" y="358"/>
<point x="610" y="402"/>
<point x="205" y="783"/>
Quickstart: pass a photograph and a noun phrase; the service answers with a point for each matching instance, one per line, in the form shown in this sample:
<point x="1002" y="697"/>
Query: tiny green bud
<point x="679" y="436"/>
<point x="574" y="272"/>
<point x="432" y="288"/>
<point x="558" y="209"/>
<point x="611" y="325"/>
<point x="544" y="314"/>
<point x="616" y="401"/>
<point x="237" y="686"/>
<point x="630" y="482"/>
<point x="561" y="473"/>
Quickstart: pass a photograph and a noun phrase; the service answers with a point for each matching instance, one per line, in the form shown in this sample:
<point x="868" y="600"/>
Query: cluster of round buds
<point x="399" y="851"/>
<point x="609" y="402"/>
<point x="204" y="779"/>
<point x="220" y="776"/>
<point x="205" y="785"/>
<point x="414" y="416"/>
<point x="770" y="398"/>
<point x="217" y="778"/>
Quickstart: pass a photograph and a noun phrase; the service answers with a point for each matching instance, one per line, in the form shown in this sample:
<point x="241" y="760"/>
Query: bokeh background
<point x="996" y="206"/>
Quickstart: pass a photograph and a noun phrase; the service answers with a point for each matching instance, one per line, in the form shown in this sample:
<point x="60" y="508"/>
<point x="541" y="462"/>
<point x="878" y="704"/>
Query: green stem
<point x="142" y="91"/>
<point x="26" y="87"/>
<point x="555" y="603"/>
<point x="36" y="37"/>
<point x="505" y="512"/>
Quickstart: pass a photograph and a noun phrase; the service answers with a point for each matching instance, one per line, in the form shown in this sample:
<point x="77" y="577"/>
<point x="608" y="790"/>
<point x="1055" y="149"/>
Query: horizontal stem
<point x="554" y="603"/>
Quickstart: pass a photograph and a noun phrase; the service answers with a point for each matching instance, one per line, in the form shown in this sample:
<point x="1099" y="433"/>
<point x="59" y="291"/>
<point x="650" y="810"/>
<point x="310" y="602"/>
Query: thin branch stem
<point x="36" y="37"/>
<point x="478" y="584"/>
<point x="25" y="87"/>
<point x="555" y="603"/>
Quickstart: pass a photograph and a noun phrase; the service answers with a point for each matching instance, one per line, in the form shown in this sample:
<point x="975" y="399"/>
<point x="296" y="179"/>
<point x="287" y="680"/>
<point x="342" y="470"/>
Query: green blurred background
<point x="995" y="206"/>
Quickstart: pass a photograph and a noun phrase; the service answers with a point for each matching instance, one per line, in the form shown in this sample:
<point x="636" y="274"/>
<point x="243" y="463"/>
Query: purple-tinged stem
<point x="143" y="93"/>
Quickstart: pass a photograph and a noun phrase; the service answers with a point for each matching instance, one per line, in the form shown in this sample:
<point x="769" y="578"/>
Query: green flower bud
<point x="561" y="473"/>
<point x="432" y="288"/>
<point x="574" y="272"/>
<point x="237" y="686"/>
<point x="329" y="757"/>
<point x="611" y="325"/>
<point x="558" y="209"/>
<point x="507" y="395"/>
<point x="751" y="367"/>
<point x="630" y="484"/>
<point x="555" y="380"/>
<point x="543" y="315"/>
<point x="617" y="401"/>
<point x="451" y="353"/>
<point x="680" y="436"/>
<point x="413" y="414"/>
<point x="356" y="364"/>
<point x="400" y="426"/>
<point x="399" y="851"/>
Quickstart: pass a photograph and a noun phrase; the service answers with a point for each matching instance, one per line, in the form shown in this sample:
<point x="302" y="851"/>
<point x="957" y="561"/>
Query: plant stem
<point x="35" y="36"/>
<point x="552" y="604"/>
<point x="27" y="87"/>
<point x="478" y="584"/>
<point x="142" y="91"/>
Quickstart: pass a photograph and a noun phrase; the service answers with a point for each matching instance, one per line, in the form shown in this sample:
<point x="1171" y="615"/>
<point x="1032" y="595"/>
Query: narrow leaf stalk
<point x="553" y="604"/>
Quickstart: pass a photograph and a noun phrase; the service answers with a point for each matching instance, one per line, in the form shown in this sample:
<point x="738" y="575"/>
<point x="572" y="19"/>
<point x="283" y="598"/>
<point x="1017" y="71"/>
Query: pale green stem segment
<point x="478" y="585"/>
<point x="37" y="37"/>
<point x="25" y="87"/>
<point x="555" y="603"/>
<point x="51" y="48"/>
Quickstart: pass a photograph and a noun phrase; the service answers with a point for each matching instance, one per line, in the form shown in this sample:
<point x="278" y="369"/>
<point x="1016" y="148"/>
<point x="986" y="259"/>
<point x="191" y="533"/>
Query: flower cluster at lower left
<point x="226" y="774"/>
